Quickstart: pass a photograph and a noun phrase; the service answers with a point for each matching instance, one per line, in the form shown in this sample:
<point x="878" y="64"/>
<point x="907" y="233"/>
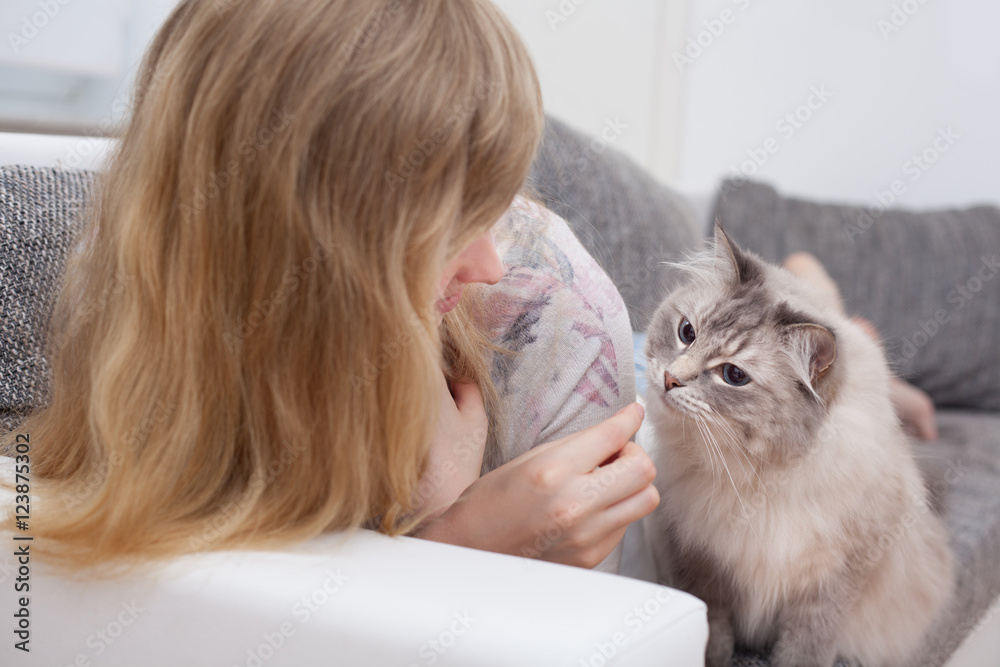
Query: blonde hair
<point x="265" y="253"/>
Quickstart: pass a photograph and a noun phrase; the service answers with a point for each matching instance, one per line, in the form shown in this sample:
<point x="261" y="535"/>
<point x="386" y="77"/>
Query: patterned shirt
<point x="559" y="308"/>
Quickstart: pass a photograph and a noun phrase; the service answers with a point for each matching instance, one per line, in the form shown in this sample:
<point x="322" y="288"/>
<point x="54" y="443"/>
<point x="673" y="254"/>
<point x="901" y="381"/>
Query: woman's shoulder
<point x="561" y="312"/>
<point x="542" y="253"/>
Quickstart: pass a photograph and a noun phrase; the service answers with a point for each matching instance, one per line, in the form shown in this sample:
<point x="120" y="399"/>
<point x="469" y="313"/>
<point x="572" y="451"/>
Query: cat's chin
<point x="668" y="415"/>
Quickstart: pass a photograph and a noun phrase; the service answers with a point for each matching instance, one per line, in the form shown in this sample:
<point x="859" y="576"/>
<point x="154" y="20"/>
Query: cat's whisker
<point x="704" y="436"/>
<point x="737" y="444"/>
<point x="736" y="490"/>
<point x="721" y="424"/>
<point x="703" y="429"/>
<point x="714" y="455"/>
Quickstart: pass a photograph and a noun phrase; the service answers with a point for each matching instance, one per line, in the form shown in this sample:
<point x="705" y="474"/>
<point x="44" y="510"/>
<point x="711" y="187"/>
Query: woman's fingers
<point x="595" y="445"/>
<point x="582" y="450"/>
<point x="555" y="502"/>
<point x="632" y="508"/>
<point x="631" y="472"/>
<point x="595" y="552"/>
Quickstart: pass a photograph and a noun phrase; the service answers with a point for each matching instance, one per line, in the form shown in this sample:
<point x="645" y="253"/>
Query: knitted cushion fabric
<point x="41" y="209"/>
<point x="929" y="281"/>
<point x="627" y="221"/>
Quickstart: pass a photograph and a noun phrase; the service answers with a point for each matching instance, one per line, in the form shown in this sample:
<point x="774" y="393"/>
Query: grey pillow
<point x="627" y="221"/>
<point x="927" y="280"/>
<point x="41" y="210"/>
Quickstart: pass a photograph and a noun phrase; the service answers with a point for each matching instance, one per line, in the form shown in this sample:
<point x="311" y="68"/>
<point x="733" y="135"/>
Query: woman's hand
<point x="456" y="454"/>
<point x="567" y="501"/>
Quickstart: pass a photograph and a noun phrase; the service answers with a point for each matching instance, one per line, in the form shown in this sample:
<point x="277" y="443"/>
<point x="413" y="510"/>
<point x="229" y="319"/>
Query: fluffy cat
<point x="790" y="501"/>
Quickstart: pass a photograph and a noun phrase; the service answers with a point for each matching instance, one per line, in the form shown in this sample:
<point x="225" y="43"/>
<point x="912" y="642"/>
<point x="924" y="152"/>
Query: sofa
<point x="531" y="612"/>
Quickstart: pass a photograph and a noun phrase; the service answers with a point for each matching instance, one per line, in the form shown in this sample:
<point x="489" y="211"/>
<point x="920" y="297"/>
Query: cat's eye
<point x="734" y="375"/>
<point x="685" y="332"/>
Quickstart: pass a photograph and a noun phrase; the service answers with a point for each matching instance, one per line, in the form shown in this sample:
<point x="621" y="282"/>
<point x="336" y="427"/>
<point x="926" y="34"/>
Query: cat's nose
<point x="669" y="381"/>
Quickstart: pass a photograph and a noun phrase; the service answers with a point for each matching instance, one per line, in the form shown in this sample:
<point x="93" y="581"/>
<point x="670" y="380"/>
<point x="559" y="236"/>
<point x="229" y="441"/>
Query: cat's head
<point x="745" y="351"/>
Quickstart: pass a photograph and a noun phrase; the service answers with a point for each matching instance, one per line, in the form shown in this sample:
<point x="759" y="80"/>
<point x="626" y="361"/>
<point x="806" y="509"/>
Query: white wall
<point x="604" y="62"/>
<point x="894" y="87"/>
<point x="66" y="65"/>
<point x="892" y="91"/>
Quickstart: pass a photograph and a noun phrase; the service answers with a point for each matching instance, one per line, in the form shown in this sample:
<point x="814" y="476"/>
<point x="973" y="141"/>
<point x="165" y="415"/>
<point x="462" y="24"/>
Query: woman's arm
<point x="567" y="501"/>
<point x="456" y="454"/>
<point x="559" y="310"/>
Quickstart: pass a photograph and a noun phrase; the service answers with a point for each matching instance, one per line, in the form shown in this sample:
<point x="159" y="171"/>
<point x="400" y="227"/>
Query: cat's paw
<point x="793" y="651"/>
<point x="719" y="652"/>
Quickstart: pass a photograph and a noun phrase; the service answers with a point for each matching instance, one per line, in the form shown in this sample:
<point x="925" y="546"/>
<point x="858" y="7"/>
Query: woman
<point x="278" y="346"/>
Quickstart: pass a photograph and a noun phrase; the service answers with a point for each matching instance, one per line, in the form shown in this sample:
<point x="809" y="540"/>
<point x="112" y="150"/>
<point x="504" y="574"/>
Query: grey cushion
<point x="626" y="220"/>
<point x="41" y="210"/>
<point x="927" y="280"/>
<point x="963" y="467"/>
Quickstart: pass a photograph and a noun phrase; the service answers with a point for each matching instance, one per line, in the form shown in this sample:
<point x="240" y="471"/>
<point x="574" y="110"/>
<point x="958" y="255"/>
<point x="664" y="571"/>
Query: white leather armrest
<point x="358" y="600"/>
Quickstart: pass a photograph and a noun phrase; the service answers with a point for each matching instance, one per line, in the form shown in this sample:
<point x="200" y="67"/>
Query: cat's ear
<point x="740" y="267"/>
<point x="819" y="346"/>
